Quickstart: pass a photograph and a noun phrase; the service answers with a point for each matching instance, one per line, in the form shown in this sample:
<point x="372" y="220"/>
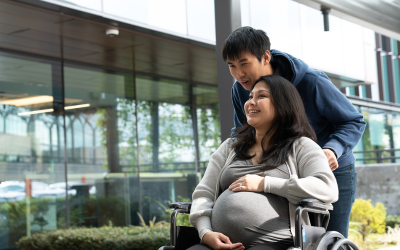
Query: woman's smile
<point x="253" y="112"/>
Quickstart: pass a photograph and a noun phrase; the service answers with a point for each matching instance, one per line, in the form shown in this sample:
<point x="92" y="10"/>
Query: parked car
<point x="15" y="190"/>
<point x="56" y="190"/>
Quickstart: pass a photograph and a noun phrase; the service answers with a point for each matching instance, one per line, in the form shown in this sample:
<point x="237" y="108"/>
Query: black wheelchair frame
<point x="307" y="237"/>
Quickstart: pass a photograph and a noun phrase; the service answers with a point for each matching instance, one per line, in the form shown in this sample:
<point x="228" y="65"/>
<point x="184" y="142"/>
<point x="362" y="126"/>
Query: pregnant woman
<point x="248" y="195"/>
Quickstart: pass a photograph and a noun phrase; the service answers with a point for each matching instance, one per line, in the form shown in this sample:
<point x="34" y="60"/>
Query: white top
<point x="310" y="177"/>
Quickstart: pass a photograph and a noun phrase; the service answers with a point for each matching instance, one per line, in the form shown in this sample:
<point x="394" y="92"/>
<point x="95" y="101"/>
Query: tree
<point x="371" y="218"/>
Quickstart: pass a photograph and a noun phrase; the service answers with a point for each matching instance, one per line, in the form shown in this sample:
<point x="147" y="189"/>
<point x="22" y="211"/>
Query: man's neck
<point x="268" y="70"/>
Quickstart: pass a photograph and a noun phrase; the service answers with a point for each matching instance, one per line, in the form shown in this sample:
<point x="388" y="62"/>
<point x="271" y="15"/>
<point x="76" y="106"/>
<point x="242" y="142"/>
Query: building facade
<point x="97" y="128"/>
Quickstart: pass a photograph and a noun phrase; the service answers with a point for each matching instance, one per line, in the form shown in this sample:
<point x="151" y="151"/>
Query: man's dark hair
<point x="246" y="39"/>
<point x="290" y="123"/>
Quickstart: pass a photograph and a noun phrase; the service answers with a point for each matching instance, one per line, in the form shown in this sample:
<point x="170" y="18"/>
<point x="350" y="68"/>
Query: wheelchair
<point x="307" y="237"/>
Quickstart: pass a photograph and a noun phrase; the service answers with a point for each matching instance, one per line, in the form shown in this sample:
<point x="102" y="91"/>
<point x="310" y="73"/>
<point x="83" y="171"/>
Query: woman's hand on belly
<point x="249" y="182"/>
<point x="220" y="241"/>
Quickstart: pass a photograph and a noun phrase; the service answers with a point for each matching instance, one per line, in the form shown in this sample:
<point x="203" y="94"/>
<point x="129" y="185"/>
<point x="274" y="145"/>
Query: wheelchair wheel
<point x="336" y="240"/>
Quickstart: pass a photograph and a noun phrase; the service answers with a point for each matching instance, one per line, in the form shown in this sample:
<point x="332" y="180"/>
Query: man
<point x="336" y="122"/>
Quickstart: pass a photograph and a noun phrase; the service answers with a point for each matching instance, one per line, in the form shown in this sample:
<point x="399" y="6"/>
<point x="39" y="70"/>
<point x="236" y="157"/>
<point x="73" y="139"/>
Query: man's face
<point x="246" y="69"/>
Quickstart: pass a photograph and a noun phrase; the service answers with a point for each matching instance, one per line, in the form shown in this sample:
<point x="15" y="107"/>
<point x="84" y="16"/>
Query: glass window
<point x="383" y="127"/>
<point x="385" y="78"/>
<point x="29" y="117"/>
<point x="136" y="10"/>
<point x="201" y="19"/>
<point x="279" y="19"/>
<point x="352" y="91"/>
<point x="90" y="4"/>
<point x="394" y="46"/>
<point x="166" y="142"/>
<point x="101" y="132"/>
<point x="371" y="74"/>
<point x="353" y="49"/>
<point x="396" y="73"/>
<point x="346" y="50"/>
<point x="316" y="42"/>
<point x="396" y="134"/>
<point x="169" y="15"/>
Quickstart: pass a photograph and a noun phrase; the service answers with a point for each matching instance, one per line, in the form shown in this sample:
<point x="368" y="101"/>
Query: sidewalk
<point x="390" y="248"/>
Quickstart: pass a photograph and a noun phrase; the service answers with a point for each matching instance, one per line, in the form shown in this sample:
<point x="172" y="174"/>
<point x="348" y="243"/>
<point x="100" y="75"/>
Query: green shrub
<point x="132" y="238"/>
<point x="181" y="219"/>
<point x="392" y="220"/>
<point x="15" y="212"/>
<point x="371" y="219"/>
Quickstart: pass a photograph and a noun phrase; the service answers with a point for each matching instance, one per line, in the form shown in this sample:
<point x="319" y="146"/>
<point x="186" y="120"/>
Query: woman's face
<point x="260" y="112"/>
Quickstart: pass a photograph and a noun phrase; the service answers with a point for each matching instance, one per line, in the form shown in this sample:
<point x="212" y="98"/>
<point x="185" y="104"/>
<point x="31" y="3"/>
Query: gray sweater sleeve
<point x="313" y="177"/>
<point x="204" y="194"/>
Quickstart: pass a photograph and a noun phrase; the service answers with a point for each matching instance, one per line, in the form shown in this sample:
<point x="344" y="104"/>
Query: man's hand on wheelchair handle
<point x="249" y="182"/>
<point x="220" y="241"/>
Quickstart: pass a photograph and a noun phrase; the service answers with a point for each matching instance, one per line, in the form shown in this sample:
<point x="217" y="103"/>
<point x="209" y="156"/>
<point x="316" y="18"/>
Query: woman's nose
<point x="252" y="102"/>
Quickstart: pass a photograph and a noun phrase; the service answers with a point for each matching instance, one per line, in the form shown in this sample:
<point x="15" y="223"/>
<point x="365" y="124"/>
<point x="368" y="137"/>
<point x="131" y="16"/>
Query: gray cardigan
<point x="310" y="177"/>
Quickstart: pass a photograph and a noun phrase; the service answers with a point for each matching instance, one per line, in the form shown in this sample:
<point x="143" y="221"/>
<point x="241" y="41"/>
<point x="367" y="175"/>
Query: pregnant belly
<point x="248" y="217"/>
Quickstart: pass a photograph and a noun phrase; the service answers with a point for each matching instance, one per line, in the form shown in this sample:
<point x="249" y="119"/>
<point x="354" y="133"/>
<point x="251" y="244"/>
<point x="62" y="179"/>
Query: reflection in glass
<point x="379" y="137"/>
<point x="201" y="19"/>
<point x="100" y="130"/>
<point x="31" y="155"/>
<point x="114" y="172"/>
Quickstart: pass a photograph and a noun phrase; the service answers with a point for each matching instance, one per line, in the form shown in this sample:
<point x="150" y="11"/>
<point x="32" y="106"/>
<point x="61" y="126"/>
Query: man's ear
<point x="267" y="57"/>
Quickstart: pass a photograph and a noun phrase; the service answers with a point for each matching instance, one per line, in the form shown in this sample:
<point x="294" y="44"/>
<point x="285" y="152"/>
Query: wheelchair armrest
<point x="315" y="204"/>
<point x="182" y="207"/>
<point x="319" y="217"/>
<point x="179" y="208"/>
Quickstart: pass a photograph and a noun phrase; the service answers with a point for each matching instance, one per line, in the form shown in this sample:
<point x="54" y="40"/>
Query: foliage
<point x="109" y="209"/>
<point x="392" y="236"/>
<point x="176" y="131"/>
<point x="392" y="220"/>
<point x="152" y="223"/>
<point x="15" y="212"/>
<point x="181" y="219"/>
<point x="127" y="130"/>
<point x="356" y="236"/>
<point x="101" y="125"/>
<point x="98" y="238"/>
<point x="371" y="218"/>
<point x="208" y="129"/>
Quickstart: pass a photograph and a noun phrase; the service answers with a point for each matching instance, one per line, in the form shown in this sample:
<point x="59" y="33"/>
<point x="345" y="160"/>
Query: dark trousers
<point x="346" y="178"/>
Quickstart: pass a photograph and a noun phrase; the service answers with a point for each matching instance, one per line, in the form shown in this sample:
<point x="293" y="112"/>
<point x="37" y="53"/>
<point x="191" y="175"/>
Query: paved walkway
<point x="390" y="248"/>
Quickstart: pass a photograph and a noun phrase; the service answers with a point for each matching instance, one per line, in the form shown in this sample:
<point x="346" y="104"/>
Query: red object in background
<point x="28" y="187"/>
<point x="83" y="179"/>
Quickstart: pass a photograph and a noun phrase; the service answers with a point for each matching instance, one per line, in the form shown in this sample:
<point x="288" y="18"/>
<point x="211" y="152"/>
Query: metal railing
<point x="362" y="157"/>
<point x="378" y="156"/>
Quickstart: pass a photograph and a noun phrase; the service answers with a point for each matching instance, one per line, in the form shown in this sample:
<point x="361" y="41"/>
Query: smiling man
<point x="336" y="122"/>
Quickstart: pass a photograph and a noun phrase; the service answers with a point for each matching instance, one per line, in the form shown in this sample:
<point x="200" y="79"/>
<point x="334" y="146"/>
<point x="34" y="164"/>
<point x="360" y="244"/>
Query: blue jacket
<point x="337" y="124"/>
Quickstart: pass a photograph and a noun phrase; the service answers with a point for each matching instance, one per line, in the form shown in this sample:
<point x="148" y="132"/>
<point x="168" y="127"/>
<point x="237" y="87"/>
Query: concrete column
<point x="112" y="139"/>
<point x="227" y="19"/>
<point x="155" y="133"/>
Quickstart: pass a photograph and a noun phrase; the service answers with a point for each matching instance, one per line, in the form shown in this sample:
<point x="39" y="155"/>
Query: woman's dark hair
<point x="289" y="124"/>
<point x="246" y="39"/>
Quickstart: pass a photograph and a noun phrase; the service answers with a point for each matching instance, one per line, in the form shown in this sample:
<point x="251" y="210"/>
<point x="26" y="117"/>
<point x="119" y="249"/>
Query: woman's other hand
<point x="249" y="182"/>
<point x="220" y="241"/>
